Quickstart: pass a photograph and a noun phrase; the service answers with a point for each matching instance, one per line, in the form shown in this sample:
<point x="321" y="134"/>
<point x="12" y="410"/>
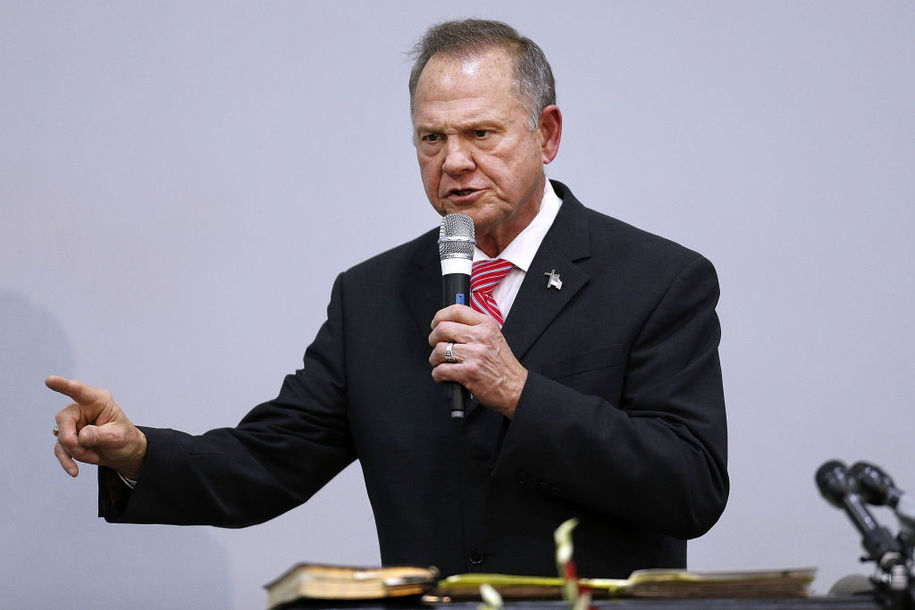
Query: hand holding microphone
<point x="470" y="354"/>
<point x="455" y="248"/>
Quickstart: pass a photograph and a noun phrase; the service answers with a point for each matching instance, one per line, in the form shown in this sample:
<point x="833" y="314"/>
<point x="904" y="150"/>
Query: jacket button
<point x="476" y="557"/>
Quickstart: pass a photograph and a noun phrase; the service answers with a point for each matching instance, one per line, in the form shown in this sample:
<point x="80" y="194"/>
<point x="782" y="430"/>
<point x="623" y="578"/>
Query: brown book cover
<point x="319" y="581"/>
<point x="792" y="582"/>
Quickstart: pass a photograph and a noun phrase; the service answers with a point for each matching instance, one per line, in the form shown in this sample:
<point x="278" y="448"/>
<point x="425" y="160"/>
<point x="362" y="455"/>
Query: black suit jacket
<point x="621" y="422"/>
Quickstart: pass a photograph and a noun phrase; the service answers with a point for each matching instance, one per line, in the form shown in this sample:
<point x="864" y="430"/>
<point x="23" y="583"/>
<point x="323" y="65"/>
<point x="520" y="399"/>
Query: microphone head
<point x="874" y="485"/>
<point x="456" y="237"/>
<point x="833" y="481"/>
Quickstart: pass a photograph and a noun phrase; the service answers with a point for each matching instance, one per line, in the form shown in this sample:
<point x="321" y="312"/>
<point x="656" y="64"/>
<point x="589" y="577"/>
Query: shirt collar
<point x="522" y="249"/>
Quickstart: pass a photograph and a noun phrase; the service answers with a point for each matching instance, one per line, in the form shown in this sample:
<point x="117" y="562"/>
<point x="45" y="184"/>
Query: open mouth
<point x="463" y="196"/>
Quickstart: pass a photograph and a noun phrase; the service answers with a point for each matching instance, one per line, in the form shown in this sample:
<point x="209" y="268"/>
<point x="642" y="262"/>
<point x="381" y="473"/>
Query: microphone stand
<point x="893" y="579"/>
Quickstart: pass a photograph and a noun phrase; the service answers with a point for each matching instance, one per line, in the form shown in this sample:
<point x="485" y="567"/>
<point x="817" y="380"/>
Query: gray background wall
<point x="181" y="181"/>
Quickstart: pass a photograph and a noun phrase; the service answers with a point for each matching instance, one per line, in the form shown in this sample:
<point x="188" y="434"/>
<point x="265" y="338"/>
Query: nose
<point x="458" y="157"/>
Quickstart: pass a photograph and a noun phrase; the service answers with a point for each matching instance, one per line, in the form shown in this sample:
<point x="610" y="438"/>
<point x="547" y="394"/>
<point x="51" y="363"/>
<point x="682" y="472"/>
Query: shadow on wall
<point x="56" y="554"/>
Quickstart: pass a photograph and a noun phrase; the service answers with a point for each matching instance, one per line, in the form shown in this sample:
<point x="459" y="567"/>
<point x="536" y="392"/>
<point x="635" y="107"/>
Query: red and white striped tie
<point x="485" y="277"/>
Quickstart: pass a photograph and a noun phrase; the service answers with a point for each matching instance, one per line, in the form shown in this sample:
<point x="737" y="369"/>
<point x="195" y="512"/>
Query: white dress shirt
<point x="520" y="252"/>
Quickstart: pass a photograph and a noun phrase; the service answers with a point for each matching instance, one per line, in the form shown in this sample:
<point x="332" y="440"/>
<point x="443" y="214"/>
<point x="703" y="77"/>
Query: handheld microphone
<point x="456" y="241"/>
<point x="836" y="484"/>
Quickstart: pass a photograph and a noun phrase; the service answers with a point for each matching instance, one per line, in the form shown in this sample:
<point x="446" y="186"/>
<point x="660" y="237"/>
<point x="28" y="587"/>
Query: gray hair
<point x="533" y="84"/>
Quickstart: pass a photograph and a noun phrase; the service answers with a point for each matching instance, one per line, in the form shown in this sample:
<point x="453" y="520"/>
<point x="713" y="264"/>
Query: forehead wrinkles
<point x="463" y="114"/>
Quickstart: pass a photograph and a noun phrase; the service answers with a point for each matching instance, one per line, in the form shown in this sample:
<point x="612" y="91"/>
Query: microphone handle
<point x="876" y="540"/>
<point x="456" y="290"/>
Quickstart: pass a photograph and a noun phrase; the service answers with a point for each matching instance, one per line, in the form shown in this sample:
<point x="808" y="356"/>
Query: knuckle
<point x="62" y="455"/>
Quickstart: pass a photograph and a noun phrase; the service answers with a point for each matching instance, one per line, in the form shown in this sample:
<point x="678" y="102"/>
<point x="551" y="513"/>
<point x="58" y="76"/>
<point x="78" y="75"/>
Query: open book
<point x="317" y="581"/>
<point x="642" y="583"/>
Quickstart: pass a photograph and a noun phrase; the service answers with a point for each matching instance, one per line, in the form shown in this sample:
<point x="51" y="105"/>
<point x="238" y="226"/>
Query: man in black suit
<point x="599" y="398"/>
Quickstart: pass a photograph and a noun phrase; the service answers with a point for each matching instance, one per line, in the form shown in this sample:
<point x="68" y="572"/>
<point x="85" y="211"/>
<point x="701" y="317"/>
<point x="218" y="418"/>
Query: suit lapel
<point x="537" y="305"/>
<point x="423" y="292"/>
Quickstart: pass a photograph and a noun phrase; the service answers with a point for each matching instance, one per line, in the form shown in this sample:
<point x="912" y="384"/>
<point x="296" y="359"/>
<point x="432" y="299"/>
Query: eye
<point x="431" y="137"/>
<point x="481" y="133"/>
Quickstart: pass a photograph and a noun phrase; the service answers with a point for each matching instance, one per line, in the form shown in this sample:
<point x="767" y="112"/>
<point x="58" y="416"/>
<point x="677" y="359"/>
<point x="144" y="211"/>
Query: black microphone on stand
<point x="837" y="486"/>
<point x="456" y="241"/>
<point x="877" y="487"/>
<point x="893" y="584"/>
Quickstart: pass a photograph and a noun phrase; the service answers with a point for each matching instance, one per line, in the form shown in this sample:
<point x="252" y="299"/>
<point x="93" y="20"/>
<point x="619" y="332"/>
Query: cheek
<point x="525" y="167"/>
<point x="514" y="160"/>
<point x="430" y="178"/>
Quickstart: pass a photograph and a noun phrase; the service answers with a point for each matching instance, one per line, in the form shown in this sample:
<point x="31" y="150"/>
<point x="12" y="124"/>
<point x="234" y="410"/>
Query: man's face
<point x="477" y="154"/>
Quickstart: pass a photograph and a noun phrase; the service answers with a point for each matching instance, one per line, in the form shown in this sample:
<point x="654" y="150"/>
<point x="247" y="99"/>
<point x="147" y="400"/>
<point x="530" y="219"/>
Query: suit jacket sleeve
<point x="278" y="456"/>
<point x="657" y="457"/>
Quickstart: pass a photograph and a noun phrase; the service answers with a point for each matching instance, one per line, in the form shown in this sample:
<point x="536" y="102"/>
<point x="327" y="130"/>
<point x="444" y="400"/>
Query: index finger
<point x="457" y="313"/>
<point x="77" y="390"/>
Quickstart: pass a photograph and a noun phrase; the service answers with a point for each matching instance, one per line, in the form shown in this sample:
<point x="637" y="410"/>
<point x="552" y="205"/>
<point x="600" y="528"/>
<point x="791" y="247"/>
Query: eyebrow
<point x="467" y="125"/>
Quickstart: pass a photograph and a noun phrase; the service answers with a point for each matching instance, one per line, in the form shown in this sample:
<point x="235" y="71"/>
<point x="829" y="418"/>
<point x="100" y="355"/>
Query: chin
<point x="449" y="208"/>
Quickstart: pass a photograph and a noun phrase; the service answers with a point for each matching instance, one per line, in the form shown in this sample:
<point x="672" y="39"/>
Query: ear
<point x="550" y="127"/>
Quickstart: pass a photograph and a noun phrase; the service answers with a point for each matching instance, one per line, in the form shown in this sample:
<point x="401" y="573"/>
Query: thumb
<point x="89" y="436"/>
<point x="119" y="446"/>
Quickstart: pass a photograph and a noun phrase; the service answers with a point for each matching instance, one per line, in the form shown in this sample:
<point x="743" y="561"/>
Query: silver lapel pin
<point x="553" y="281"/>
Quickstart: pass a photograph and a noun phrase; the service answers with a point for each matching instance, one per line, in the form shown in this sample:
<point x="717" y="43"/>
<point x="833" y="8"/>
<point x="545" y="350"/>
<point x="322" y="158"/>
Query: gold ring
<point x="56" y="430"/>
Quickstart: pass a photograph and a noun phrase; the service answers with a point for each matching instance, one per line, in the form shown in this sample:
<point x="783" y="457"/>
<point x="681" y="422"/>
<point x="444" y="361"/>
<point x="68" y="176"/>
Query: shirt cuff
<point x="131" y="483"/>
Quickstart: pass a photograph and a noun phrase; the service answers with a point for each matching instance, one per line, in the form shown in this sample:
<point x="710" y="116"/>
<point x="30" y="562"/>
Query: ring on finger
<point x="56" y="430"/>
<point x="449" y="353"/>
